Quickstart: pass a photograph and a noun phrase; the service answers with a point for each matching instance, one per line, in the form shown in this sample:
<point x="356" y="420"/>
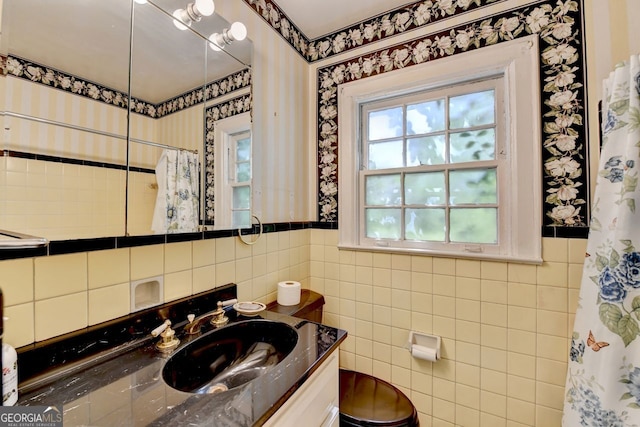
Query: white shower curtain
<point x="603" y="380"/>
<point x="178" y="199"/>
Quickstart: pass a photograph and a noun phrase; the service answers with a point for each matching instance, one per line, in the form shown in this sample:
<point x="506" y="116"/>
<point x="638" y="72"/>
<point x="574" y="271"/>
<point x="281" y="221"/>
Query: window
<point x="239" y="155"/>
<point x="233" y="172"/>
<point x="445" y="162"/>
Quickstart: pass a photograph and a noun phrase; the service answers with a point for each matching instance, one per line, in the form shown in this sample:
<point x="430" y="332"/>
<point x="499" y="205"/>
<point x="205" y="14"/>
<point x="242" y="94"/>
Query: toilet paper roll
<point x="289" y="293"/>
<point x="424" y="353"/>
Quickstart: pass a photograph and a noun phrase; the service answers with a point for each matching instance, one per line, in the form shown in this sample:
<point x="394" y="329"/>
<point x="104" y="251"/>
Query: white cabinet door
<point x="316" y="402"/>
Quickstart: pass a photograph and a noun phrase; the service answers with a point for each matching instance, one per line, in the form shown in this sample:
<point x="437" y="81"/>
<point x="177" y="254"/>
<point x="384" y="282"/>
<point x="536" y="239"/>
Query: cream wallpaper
<point x="282" y="102"/>
<point x="612" y="36"/>
<point x="35" y="100"/>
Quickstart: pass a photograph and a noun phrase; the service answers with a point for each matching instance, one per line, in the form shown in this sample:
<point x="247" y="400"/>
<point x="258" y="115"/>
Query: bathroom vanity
<point x="129" y="387"/>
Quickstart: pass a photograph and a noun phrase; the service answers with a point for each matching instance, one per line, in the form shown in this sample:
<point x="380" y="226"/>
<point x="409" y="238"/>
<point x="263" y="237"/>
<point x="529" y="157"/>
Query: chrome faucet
<point x="216" y="318"/>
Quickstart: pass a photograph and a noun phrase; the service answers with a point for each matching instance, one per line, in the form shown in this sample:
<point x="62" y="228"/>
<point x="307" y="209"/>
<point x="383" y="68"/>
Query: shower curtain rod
<point x="94" y="131"/>
<point x="21" y="240"/>
<point x="157" y="144"/>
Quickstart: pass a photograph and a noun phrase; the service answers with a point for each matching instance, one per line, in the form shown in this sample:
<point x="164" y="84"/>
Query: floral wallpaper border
<point x="215" y="89"/>
<point x="388" y="24"/>
<point x="223" y="110"/>
<point x="562" y="73"/>
<point x="48" y="76"/>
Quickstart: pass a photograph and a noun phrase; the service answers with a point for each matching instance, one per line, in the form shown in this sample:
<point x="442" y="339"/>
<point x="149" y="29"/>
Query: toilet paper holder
<point x="424" y="341"/>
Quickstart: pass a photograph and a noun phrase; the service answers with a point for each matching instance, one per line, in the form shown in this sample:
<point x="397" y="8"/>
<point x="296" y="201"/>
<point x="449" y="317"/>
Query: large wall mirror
<point x="76" y="162"/>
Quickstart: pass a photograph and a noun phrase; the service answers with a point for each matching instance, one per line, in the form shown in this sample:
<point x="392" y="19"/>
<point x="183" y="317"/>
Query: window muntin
<point x="430" y="170"/>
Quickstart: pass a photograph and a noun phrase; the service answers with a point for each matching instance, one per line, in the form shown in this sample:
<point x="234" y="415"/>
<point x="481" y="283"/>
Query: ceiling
<point x="317" y="18"/>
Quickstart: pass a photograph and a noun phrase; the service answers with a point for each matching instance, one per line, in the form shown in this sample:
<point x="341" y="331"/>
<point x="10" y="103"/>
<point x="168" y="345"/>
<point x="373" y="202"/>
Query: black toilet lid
<point x="370" y="401"/>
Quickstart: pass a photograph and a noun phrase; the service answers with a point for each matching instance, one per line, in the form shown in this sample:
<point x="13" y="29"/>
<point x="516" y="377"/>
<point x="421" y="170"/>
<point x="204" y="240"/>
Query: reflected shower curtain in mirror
<point x="178" y="199"/>
<point x="603" y="379"/>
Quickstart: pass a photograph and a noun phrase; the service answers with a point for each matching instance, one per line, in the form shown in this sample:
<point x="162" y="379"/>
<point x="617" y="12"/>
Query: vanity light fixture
<point x="218" y="41"/>
<point x="193" y="12"/>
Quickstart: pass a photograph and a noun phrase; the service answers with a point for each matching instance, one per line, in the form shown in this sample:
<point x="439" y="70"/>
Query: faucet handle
<point x="190" y="317"/>
<point x="169" y="340"/>
<point x="219" y="318"/>
<point x="157" y="331"/>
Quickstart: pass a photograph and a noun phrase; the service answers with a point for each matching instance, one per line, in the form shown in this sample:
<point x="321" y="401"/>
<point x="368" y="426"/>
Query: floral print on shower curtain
<point x="178" y="198"/>
<point x="603" y="379"/>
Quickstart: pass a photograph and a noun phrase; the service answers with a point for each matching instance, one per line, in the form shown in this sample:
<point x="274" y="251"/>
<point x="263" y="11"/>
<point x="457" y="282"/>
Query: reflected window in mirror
<point x="239" y="164"/>
<point x="233" y="172"/>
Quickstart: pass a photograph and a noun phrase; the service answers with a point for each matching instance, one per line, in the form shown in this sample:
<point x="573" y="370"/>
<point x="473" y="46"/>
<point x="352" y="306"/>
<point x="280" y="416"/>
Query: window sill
<point x="442" y="254"/>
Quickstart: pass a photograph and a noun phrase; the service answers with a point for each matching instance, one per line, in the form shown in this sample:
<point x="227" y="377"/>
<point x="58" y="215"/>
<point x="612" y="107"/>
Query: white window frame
<point x="225" y="134"/>
<point x="517" y="61"/>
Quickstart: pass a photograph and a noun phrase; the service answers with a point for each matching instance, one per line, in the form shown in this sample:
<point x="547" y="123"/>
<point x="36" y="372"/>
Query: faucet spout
<point x="195" y="325"/>
<point x="216" y="318"/>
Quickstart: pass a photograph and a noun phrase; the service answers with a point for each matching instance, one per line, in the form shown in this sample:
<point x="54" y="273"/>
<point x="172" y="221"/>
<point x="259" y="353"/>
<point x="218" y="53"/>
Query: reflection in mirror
<point x="64" y="110"/>
<point x="64" y="118"/>
<point x="169" y="112"/>
<point x="233" y="170"/>
<point x="167" y="123"/>
<point x="166" y="143"/>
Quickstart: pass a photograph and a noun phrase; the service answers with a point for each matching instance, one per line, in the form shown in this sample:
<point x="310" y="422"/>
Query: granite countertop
<point x="128" y="389"/>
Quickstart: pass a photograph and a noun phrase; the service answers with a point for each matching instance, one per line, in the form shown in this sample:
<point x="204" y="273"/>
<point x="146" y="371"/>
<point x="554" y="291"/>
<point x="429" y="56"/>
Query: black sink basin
<point x="229" y="357"/>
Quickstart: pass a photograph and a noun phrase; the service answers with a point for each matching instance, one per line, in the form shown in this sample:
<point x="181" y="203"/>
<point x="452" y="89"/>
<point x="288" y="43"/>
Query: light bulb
<point x="205" y="7"/>
<point x="214" y="42"/>
<point x="238" y="31"/>
<point x="179" y="18"/>
<point x="140" y="1"/>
